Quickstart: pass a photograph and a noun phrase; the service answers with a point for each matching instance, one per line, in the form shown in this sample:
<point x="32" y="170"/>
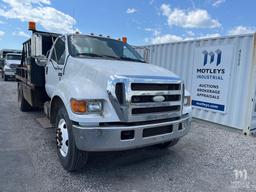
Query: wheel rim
<point x="62" y="137"/>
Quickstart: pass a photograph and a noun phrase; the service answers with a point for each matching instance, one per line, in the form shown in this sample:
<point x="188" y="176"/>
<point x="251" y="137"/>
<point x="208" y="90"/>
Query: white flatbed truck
<point x="100" y="95"/>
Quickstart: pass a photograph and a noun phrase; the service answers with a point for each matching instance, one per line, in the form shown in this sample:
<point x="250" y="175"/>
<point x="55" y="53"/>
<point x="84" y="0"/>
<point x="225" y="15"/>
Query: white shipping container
<point x="220" y="73"/>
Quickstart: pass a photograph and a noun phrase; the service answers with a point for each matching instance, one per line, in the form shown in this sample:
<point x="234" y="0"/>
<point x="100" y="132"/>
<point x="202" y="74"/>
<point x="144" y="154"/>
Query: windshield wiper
<point x="98" y="55"/>
<point x="89" y="54"/>
<point x="131" y="59"/>
<point x="110" y="56"/>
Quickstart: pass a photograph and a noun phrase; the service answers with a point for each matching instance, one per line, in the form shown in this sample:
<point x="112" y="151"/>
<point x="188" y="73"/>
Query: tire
<point x="5" y="77"/>
<point x="70" y="157"/>
<point x="24" y="105"/>
<point x="167" y="144"/>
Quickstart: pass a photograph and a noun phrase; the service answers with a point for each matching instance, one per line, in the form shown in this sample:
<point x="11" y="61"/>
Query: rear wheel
<point x="167" y="144"/>
<point x="24" y="105"/>
<point x="70" y="157"/>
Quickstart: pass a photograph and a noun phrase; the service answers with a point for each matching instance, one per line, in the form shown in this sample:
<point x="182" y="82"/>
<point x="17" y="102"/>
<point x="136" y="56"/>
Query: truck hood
<point x="100" y="71"/>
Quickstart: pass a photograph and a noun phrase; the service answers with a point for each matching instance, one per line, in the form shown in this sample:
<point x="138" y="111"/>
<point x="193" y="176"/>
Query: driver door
<point x="55" y="65"/>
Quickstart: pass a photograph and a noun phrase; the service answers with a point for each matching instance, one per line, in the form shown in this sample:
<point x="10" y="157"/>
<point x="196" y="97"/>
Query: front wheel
<point x="5" y="77"/>
<point x="70" y="157"/>
<point x="167" y="144"/>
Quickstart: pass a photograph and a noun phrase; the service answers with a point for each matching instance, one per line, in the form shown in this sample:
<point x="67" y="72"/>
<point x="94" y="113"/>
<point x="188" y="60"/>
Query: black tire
<point x="75" y="159"/>
<point x="24" y="105"/>
<point x="5" y="77"/>
<point x="167" y="144"/>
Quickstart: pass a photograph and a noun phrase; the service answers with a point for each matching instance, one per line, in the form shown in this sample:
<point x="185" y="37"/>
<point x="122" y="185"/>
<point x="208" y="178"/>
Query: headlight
<point x="187" y="100"/>
<point x="86" y="106"/>
<point x="94" y="106"/>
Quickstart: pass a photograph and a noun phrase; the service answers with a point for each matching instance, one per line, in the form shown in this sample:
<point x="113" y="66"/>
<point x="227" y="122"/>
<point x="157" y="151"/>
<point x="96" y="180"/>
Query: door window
<point x="58" y="52"/>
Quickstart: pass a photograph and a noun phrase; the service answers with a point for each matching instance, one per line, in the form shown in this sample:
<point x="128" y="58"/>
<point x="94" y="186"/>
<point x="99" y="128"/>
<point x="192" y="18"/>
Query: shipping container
<point x="220" y="74"/>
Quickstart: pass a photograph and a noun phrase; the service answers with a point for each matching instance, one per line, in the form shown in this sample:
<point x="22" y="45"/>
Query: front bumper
<point x="109" y="138"/>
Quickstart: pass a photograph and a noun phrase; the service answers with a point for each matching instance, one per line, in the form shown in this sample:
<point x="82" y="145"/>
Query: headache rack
<point x="29" y="72"/>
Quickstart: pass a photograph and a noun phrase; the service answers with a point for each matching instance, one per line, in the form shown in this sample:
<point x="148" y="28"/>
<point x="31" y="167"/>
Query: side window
<point x="58" y="54"/>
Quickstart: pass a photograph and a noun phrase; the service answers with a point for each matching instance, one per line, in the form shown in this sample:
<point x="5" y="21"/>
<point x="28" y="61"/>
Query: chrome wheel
<point x="62" y="137"/>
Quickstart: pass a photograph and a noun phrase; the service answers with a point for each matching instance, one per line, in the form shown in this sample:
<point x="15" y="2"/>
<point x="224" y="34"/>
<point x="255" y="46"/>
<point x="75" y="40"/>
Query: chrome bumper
<point x="109" y="138"/>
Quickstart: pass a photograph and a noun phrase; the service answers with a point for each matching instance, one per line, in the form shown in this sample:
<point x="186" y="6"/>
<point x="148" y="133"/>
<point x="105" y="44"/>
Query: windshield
<point x="13" y="57"/>
<point x="88" y="46"/>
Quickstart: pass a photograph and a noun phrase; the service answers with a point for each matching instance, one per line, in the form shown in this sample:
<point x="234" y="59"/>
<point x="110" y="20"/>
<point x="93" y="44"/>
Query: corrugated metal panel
<point x="179" y="57"/>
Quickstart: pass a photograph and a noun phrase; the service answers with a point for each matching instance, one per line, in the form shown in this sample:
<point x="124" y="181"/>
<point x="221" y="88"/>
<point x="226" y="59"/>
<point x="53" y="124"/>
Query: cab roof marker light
<point x="32" y="25"/>
<point x="124" y="39"/>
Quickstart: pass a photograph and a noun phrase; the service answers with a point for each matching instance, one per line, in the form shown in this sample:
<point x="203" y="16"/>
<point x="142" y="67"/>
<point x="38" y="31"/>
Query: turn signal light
<point x="32" y="25"/>
<point x="124" y="39"/>
<point x="78" y="106"/>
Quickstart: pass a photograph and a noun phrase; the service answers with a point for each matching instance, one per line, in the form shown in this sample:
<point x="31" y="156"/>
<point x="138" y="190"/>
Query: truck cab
<point x="100" y="95"/>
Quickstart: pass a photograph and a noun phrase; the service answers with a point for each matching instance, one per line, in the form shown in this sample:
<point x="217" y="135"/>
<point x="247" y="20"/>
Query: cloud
<point x="39" y="11"/>
<point x="131" y="10"/>
<point x="148" y="29"/>
<point x="151" y="2"/>
<point x="20" y="34"/>
<point x="166" y="39"/>
<point x="169" y="38"/>
<point x="197" y="18"/>
<point x="241" y="30"/>
<point x="190" y="33"/>
<point x="155" y="32"/>
<point x="216" y="3"/>
<point x="2" y="33"/>
<point x="210" y="35"/>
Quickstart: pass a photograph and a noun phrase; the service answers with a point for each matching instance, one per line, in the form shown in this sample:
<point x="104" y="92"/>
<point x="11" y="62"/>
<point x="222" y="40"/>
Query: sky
<point x="141" y="21"/>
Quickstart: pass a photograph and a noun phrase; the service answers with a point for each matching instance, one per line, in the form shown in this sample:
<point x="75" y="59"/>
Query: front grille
<point x="154" y="87"/>
<point x="149" y="98"/>
<point x="157" y="131"/>
<point x="138" y="99"/>
<point x="144" y="102"/>
<point x="155" y="110"/>
<point x="120" y="93"/>
<point x="13" y="66"/>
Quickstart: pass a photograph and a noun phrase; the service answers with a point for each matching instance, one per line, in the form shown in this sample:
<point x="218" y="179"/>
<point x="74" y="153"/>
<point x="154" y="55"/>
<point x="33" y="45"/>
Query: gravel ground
<point x="207" y="159"/>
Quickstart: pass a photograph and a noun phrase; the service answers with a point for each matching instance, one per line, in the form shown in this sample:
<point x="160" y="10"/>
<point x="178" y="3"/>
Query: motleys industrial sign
<point x="211" y="72"/>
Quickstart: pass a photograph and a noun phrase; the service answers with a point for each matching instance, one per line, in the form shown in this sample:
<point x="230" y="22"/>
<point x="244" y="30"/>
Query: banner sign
<point x="210" y="81"/>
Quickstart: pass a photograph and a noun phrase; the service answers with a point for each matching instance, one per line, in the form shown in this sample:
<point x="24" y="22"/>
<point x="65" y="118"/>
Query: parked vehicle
<point x="11" y="62"/>
<point x="3" y="53"/>
<point x="100" y="95"/>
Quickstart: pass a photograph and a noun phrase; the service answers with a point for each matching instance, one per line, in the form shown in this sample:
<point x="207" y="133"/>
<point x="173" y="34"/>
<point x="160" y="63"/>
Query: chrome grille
<point x="133" y="97"/>
<point x="13" y="66"/>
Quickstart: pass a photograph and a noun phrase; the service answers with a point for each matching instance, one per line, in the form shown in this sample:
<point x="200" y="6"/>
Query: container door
<point x="253" y="123"/>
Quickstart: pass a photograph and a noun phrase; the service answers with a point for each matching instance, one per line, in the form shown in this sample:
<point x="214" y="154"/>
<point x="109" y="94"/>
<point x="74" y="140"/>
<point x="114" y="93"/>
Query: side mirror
<point x="41" y="60"/>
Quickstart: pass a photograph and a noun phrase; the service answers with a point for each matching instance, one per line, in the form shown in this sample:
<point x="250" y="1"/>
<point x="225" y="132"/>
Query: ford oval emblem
<point x="158" y="98"/>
